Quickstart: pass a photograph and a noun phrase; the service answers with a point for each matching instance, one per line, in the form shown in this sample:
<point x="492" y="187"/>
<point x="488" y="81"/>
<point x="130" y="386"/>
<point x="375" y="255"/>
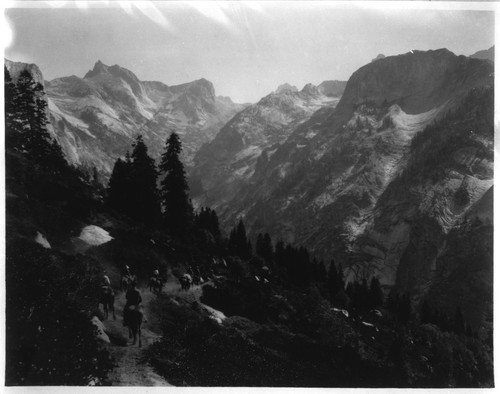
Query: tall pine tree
<point x="119" y="186"/>
<point x="239" y="245"/>
<point x="26" y="122"/>
<point x="132" y="187"/>
<point x="143" y="193"/>
<point x="177" y="208"/>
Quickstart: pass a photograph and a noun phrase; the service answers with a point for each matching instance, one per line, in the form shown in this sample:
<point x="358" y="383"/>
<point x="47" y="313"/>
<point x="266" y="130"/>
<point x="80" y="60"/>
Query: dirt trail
<point x="131" y="368"/>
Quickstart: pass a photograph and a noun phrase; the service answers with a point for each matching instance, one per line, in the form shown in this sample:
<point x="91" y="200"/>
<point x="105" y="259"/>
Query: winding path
<point x="131" y="368"/>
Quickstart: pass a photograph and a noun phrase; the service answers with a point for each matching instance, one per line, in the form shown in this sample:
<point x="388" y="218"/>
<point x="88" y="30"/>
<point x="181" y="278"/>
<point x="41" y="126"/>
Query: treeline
<point x="49" y="296"/>
<point x="35" y="164"/>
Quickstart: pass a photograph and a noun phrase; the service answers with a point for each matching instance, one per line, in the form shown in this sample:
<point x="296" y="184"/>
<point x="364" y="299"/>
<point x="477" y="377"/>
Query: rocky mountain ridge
<point x="96" y="117"/>
<point x="226" y="164"/>
<point x="327" y="185"/>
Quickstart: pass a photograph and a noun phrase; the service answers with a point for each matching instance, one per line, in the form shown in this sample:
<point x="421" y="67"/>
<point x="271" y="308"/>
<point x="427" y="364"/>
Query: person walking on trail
<point x="134" y="299"/>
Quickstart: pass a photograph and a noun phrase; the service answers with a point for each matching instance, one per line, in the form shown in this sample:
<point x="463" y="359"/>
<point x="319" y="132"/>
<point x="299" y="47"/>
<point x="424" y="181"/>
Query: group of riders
<point x="133" y="295"/>
<point x="128" y="283"/>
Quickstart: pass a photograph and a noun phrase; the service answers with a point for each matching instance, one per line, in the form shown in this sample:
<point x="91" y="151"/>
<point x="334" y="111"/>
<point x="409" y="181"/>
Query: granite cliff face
<point x="95" y="118"/>
<point x="341" y="182"/>
<point x="227" y="163"/>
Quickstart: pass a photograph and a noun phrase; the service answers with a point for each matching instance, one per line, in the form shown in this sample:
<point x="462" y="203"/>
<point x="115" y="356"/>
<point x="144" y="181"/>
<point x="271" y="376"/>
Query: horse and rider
<point x="107" y="297"/>
<point x="132" y="313"/>
<point x="155" y="282"/>
<point x="126" y="278"/>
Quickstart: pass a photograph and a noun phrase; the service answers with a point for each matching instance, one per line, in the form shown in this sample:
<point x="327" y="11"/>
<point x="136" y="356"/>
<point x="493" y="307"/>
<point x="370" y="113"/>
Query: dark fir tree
<point x="119" y="186"/>
<point x="264" y="247"/>
<point x="12" y="129"/>
<point x="177" y="208"/>
<point x="26" y="123"/>
<point x="207" y="219"/>
<point x="279" y="254"/>
<point x="376" y="296"/>
<point x="238" y="244"/>
<point x="143" y="193"/>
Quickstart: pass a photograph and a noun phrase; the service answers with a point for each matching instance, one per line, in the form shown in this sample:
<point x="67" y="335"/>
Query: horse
<point x="107" y="299"/>
<point x="186" y="281"/>
<point x="155" y="284"/>
<point x="134" y="321"/>
<point x="126" y="281"/>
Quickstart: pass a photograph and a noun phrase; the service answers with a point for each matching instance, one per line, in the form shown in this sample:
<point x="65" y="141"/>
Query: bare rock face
<point x="332" y="88"/>
<point x="15" y="68"/>
<point x="96" y="118"/>
<point x="417" y="81"/>
<point x="363" y="182"/>
<point x="227" y="163"/>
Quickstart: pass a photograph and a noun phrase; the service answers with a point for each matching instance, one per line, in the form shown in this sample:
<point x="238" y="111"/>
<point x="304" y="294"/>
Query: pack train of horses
<point x="133" y="312"/>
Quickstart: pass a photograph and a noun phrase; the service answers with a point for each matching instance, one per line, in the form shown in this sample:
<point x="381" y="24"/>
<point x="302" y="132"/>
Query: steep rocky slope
<point x="227" y="163"/>
<point x="329" y="185"/>
<point x="96" y="117"/>
<point x="487" y="54"/>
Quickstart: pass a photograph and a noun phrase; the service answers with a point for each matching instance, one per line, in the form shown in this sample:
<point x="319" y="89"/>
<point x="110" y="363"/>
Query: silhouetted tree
<point x="238" y="244"/>
<point x="177" y="209"/>
<point x="119" y="186"/>
<point x="404" y="308"/>
<point x="26" y="123"/>
<point x="376" y="296"/>
<point x="12" y="129"/>
<point x="143" y="194"/>
<point x="264" y="247"/>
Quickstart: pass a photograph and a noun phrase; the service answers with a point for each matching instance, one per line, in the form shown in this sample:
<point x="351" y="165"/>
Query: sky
<point x="246" y="49"/>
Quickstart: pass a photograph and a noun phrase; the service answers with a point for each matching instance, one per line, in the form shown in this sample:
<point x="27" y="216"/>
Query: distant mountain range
<point x="487" y="54"/>
<point x="390" y="174"/>
<point x="337" y="179"/>
<point x="95" y="118"/>
<point x="227" y="163"/>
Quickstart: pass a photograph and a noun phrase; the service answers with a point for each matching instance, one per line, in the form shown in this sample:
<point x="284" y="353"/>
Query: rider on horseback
<point x="126" y="272"/>
<point x="106" y="286"/>
<point x="134" y="298"/>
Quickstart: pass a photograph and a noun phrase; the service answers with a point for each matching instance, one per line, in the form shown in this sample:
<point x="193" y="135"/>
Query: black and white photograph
<point x="242" y="194"/>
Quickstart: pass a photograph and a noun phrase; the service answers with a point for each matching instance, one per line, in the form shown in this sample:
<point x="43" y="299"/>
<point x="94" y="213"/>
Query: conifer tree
<point x="143" y="193"/>
<point x="11" y="125"/>
<point x="239" y="245"/>
<point x="26" y="117"/>
<point x="279" y="253"/>
<point x="177" y="208"/>
<point x="264" y="247"/>
<point x="119" y="186"/>
<point x="376" y="296"/>
<point x="132" y="187"/>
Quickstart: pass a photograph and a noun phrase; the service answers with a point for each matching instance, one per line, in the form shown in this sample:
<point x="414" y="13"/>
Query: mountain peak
<point x="311" y="90"/>
<point x="487" y="54"/>
<point x="202" y="88"/>
<point x="286" y="88"/>
<point x="410" y="80"/>
<point x="99" y="68"/>
<point x="379" y="56"/>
